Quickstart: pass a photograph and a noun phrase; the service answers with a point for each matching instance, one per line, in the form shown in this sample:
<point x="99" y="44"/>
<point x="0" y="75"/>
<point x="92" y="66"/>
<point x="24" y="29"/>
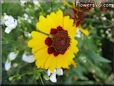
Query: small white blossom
<point x="52" y="76"/>
<point x="7" y="65"/>
<point x="27" y="18"/>
<point x="9" y="22"/>
<point x="59" y="72"/>
<point x="28" y="58"/>
<point x="23" y="2"/>
<point x="104" y="18"/>
<point x="112" y="19"/>
<point x="48" y="72"/>
<point x="36" y="2"/>
<point x="27" y="34"/>
<point x="12" y="56"/>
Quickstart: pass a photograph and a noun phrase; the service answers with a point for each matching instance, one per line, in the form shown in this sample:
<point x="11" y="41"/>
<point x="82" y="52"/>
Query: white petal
<point x="59" y="72"/>
<point x="12" y="56"/>
<point x="53" y="77"/>
<point x="48" y="72"/>
<point x="8" y="30"/>
<point x="7" y="65"/>
<point x="13" y="24"/>
<point x="8" y="20"/>
<point x="28" y="58"/>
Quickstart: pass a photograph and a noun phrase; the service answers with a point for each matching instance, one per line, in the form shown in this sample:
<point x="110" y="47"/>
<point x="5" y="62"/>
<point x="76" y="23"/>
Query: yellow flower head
<point x="57" y="49"/>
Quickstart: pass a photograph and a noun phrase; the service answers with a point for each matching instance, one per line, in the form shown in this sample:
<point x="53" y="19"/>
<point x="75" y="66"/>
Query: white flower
<point x="10" y="23"/>
<point x="36" y="2"/>
<point x="23" y="2"/>
<point x="48" y="72"/>
<point x="7" y="65"/>
<point x="59" y="72"/>
<point x="27" y="18"/>
<point x="27" y="34"/>
<point x="103" y="18"/>
<point x="52" y="76"/>
<point x="12" y="56"/>
<point x="28" y="58"/>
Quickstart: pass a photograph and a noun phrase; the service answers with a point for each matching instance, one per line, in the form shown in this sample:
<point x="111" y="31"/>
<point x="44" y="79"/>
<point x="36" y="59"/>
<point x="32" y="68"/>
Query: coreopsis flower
<point x="9" y="22"/>
<point x="53" y="45"/>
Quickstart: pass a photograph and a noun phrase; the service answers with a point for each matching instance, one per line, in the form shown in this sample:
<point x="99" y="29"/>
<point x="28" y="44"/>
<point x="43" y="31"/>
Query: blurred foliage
<point x="92" y="66"/>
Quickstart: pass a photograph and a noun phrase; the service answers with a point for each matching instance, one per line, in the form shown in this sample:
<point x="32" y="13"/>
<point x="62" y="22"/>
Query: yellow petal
<point x="84" y="31"/>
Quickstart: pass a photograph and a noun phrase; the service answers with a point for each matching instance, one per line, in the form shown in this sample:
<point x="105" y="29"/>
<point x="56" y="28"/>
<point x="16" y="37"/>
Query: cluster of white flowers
<point x="27" y="18"/>
<point x="9" y="22"/>
<point x="11" y="57"/>
<point x="52" y="76"/>
<point x="23" y="2"/>
<point x="35" y="2"/>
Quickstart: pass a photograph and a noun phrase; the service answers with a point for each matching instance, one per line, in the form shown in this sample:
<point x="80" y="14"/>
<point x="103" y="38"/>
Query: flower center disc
<point x="59" y="42"/>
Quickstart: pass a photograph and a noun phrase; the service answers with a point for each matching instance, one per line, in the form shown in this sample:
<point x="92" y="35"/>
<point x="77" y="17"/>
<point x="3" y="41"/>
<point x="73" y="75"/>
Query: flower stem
<point x="43" y="33"/>
<point x="41" y="80"/>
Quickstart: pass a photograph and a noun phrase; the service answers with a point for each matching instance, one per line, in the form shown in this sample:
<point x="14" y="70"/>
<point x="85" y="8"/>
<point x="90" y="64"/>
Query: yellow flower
<point x="57" y="47"/>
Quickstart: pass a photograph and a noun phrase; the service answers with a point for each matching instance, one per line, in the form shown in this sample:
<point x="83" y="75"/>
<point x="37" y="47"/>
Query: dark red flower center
<point x="59" y="41"/>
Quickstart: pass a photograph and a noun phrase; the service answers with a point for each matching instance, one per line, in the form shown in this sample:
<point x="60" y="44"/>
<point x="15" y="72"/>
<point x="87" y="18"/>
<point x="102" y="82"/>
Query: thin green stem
<point x="42" y="81"/>
<point x="43" y="33"/>
<point x="49" y="35"/>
